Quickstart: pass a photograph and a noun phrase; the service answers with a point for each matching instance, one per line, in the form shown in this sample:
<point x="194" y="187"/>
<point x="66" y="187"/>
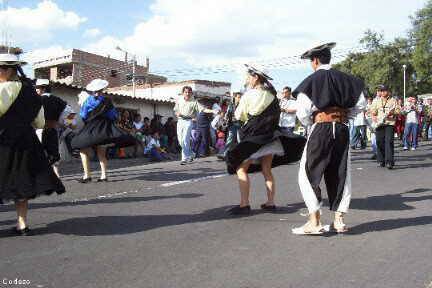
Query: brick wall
<point x="88" y="66"/>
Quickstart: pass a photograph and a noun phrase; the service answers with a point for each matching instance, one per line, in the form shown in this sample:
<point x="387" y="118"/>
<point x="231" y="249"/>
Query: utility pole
<point x="404" y="82"/>
<point x="133" y="75"/>
<point x="133" y="68"/>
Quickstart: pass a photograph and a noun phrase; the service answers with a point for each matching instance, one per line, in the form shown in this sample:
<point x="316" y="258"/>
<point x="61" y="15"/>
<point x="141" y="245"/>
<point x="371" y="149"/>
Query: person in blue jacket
<point x="99" y="131"/>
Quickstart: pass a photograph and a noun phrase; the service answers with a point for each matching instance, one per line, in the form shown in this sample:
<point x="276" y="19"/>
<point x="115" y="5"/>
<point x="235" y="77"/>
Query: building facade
<point x="144" y="107"/>
<point x="77" y="67"/>
<point x="171" y="91"/>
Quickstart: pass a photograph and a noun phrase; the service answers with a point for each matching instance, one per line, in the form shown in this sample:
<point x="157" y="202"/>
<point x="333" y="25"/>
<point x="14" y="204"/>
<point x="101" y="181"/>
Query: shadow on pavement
<point x="390" y="202"/>
<point x="389" y="224"/>
<point x="121" y="225"/>
<point x="102" y="201"/>
<point x="408" y="166"/>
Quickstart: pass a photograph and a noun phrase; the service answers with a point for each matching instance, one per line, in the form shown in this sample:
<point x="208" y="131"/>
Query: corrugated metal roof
<point x="147" y="94"/>
<point x="122" y="93"/>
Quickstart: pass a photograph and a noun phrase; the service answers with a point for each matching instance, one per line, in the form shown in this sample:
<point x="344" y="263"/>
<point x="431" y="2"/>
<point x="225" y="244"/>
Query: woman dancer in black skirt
<point x="99" y="131"/>
<point x="25" y="172"/>
<point x="262" y="145"/>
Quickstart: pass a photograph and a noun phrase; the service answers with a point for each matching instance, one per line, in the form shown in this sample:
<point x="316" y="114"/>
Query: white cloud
<point x="106" y="46"/>
<point x="35" y="25"/>
<point x="221" y="31"/>
<point x="45" y="53"/>
<point x="92" y="33"/>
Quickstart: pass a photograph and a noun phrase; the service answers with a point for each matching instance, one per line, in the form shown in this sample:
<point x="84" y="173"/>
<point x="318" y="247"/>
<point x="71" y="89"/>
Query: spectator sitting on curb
<point x="154" y="150"/>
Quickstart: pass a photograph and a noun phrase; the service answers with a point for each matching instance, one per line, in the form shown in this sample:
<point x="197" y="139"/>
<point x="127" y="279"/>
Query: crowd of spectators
<point x="155" y="139"/>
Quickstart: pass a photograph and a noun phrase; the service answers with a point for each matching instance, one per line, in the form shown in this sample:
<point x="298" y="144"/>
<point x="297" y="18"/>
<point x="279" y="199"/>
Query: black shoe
<point x="382" y="164"/>
<point x="373" y="157"/>
<point x="85" y="180"/>
<point x="237" y="210"/>
<point x="183" y="163"/>
<point x="266" y="207"/>
<point x="220" y="157"/>
<point x="390" y="166"/>
<point x="102" y="180"/>
<point x="190" y="160"/>
<point x="22" y="232"/>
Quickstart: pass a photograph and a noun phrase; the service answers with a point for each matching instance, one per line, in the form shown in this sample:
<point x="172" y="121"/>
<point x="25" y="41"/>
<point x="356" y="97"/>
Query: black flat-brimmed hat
<point x="382" y="87"/>
<point x="323" y="49"/>
<point x="252" y="70"/>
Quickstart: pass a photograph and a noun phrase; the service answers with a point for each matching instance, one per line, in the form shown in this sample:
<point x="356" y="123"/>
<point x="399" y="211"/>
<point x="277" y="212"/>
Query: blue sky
<point x="180" y="34"/>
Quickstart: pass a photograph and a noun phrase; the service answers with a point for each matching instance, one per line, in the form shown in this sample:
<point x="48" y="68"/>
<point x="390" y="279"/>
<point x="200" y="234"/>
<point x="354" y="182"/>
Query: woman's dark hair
<point x="266" y="83"/>
<point x="22" y="76"/>
<point x="47" y="89"/>
<point x="186" y="88"/>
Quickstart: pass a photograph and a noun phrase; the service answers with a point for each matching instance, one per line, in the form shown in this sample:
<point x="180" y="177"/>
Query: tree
<point x="421" y="39"/>
<point x="381" y="64"/>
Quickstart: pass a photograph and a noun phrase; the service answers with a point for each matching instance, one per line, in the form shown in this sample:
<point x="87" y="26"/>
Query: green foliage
<point x="383" y="62"/>
<point x="421" y="37"/>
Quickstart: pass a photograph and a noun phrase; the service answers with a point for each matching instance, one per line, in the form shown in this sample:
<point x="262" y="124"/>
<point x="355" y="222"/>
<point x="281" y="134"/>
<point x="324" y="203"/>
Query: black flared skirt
<point x="292" y="144"/>
<point x="25" y="172"/>
<point x="101" y="131"/>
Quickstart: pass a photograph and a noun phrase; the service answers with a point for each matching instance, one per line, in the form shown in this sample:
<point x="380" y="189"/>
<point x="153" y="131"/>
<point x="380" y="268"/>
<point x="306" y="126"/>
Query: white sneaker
<point x="413" y="148"/>
<point x="405" y="148"/>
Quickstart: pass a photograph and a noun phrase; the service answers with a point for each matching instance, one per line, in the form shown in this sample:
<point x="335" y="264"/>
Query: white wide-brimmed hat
<point x="97" y="85"/>
<point x="7" y="59"/>
<point x="42" y="82"/>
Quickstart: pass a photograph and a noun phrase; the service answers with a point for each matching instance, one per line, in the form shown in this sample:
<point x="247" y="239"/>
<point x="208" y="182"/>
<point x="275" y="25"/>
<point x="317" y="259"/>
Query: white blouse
<point x="9" y="91"/>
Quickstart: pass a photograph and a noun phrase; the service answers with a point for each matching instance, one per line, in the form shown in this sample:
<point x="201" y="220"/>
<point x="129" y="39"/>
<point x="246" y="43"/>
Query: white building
<point x="170" y="91"/>
<point x="144" y="106"/>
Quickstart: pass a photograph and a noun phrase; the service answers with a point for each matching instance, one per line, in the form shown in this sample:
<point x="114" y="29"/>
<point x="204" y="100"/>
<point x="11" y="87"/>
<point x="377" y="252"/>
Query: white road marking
<point x="169" y="184"/>
<point x="110" y="195"/>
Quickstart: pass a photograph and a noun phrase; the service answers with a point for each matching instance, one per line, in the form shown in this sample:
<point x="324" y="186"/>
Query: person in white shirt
<point x="287" y="105"/>
<point x="411" y="124"/>
<point x="138" y="124"/>
<point x="326" y="100"/>
<point x="359" y="138"/>
<point x="186" y="109"/>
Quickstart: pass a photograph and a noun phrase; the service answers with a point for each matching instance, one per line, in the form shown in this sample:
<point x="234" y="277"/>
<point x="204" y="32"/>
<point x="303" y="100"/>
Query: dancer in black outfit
<point x="99" y="131"/>
<point x="325" y="100"/>
<point x="262" y="145"/>
<point x="25" y="172"/>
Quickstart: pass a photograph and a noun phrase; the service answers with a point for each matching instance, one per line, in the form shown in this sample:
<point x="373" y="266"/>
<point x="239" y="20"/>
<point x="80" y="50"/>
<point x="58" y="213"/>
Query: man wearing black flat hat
<point x="383" y="110"/>
<point x="325" y="100"/>
<point x="53" y="109"/>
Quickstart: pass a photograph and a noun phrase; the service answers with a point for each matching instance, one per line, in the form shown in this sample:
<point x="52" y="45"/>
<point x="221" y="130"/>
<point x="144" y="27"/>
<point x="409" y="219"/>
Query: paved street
<point x="163" y="225"/>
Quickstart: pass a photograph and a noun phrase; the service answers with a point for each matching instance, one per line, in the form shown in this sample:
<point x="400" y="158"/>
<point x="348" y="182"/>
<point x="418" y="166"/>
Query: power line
<point x="270" y="64"/>
<point x="279" y="63"/>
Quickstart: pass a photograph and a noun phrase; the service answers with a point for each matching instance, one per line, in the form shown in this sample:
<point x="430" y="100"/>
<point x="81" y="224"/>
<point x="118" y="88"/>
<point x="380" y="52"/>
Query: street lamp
<point x="404" y="81"/>
<point x="133" y="68"/>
